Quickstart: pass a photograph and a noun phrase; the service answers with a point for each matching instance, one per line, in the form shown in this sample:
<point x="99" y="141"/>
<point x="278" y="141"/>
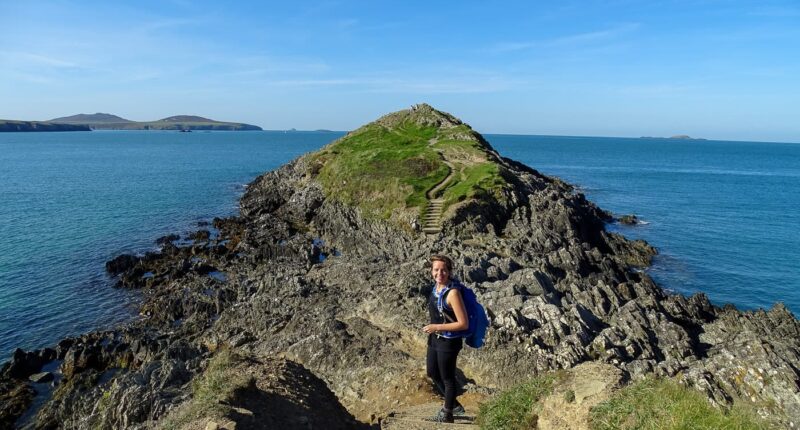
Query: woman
<point x="448" y="315"/>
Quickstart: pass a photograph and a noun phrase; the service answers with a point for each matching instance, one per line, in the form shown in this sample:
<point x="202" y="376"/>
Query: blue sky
<point x="715" y="69"/>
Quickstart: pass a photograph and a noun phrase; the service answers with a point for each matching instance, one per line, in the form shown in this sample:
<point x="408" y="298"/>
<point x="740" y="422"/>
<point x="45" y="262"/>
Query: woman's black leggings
<point x="442" y="369"/>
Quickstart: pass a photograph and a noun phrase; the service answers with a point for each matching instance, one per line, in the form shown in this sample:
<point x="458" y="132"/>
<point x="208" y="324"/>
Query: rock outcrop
<point x="301" y="275"/>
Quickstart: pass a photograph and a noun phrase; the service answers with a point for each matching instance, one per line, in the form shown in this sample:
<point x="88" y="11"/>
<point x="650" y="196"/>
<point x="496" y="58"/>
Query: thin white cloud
<point x="448" y="85"/>
<point x="595" y="36"/>
<point x="347" y="23"/>
<point x="27" y="59"/>
<point x="569" y="40"/>
<point x="26" y="77"/>
<point x="265" y="65"/>
<point x="776" y="11"/>
<point x="657" y="90"/>
<point x="171" y="23"/>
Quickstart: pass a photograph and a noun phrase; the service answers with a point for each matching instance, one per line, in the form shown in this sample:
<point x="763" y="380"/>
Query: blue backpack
<point x="478" y="321"/>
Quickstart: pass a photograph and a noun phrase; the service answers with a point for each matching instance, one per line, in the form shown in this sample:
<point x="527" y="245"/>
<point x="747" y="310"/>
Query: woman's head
<point x="441" y="269"/>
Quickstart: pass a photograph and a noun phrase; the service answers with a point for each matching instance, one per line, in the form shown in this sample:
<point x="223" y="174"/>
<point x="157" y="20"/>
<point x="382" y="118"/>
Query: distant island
<point x="677" y="136"/>
<point x="12" y="125"/>
<point x="105" y="121"/>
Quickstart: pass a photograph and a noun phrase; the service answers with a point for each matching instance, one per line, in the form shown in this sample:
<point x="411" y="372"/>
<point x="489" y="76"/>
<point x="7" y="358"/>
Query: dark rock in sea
<point x="200" y="235"/>
<point x="628" y="219"/>
<point x="558" y="288"/>
<point x="23" y="364"/>
<point x="168" y="239"/>
<point x="121" y="263"/>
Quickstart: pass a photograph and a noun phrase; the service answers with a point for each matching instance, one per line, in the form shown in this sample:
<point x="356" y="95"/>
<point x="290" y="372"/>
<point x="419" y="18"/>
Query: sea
<point x="723" y="215"/>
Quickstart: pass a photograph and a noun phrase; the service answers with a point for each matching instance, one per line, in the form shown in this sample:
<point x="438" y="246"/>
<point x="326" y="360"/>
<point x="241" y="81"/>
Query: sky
<point x="711" y="69"/>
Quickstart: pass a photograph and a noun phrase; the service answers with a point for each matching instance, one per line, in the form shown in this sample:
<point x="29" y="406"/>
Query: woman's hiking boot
<point x="443" y="416"/>
<point x="459" y="410"/>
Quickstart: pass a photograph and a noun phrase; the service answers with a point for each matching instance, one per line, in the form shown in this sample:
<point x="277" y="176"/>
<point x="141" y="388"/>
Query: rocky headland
<point x="14" y="126"/>
<point x="305" y="310"/>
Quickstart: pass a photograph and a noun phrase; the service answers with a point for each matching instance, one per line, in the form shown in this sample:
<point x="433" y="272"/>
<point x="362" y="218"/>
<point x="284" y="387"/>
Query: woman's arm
<point x="457" y="305"/>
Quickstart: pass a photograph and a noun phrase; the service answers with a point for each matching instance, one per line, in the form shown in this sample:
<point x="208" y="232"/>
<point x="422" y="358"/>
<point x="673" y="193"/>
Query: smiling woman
<point x="447" y="315"/>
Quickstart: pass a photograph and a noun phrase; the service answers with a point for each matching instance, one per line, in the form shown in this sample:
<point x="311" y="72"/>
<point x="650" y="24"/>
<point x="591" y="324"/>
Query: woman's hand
<point x="430" y="328"/>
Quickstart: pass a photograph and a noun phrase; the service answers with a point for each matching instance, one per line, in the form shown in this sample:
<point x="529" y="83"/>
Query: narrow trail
<point x="416" y="418"/>
<point x="432" y="222"/>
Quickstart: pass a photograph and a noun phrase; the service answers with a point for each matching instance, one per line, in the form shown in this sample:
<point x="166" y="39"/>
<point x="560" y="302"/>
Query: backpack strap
<point x="440" y="302"/>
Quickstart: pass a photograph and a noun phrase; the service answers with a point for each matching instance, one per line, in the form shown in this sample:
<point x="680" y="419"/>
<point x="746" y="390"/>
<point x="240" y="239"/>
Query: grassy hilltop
<point x="401" y="161"/>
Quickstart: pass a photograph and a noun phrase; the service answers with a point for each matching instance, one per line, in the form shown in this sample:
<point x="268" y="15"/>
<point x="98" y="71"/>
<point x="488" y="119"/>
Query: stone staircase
<point x="415" y="418"/>
<point x="432" y="223"/>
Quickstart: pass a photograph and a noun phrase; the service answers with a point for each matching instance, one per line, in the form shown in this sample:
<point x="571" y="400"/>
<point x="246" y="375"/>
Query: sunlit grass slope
<point x="388" y="166"/>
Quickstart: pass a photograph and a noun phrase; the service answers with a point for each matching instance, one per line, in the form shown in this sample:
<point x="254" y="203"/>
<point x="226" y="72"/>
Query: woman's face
<point x="440" y="273"/>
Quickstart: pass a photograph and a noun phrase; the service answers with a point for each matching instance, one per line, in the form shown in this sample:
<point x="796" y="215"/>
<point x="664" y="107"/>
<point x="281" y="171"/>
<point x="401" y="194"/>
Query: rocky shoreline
<point x="301" y="281"/>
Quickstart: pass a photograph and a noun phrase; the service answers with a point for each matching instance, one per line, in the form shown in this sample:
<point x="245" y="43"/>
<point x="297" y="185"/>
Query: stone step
<point x="431" y="222"/>
<point x="415" y="423"/>
<point x="416" y="418"/>
<point x="459" y="419"/>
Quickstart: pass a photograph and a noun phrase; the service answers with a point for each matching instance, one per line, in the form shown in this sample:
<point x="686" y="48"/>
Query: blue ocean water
<point x="722" y="214"/>
<point x="71" y="201"/>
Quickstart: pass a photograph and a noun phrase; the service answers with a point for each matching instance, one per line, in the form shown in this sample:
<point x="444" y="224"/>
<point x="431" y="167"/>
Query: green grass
<point x="209" y="392"/>
<point x="380" y="169"/>
<point x="391" y="164"/>
<point x="477" y="182"/>
<point x="517" y="407"/>
<point x="657" y="404"/>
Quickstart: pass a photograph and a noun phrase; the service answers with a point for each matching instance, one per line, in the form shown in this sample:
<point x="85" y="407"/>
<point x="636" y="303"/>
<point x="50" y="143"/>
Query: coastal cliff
<point x="11" y="126"/>
<point x="306" y="309"/>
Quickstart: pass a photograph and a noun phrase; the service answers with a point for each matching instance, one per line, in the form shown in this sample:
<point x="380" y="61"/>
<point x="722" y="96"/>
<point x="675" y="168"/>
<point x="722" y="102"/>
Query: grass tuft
<point x="658" y="404"/>
<point x="517" y="407"/>
<point x="210" y="392"/>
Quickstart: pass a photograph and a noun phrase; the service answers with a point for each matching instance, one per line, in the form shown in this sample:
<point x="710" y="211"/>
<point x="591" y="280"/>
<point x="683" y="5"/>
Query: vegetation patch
<point x="393" y="163"/>
<point x="210" y="392"/>
<point x="518" y="407"/>
<point x="480" y="181"/>
<point x="658" y="404"/>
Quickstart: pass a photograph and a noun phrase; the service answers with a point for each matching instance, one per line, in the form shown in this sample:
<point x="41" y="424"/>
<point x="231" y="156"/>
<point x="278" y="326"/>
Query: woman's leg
<point x="432" y="366"/>
<point x="447" y="369"/>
